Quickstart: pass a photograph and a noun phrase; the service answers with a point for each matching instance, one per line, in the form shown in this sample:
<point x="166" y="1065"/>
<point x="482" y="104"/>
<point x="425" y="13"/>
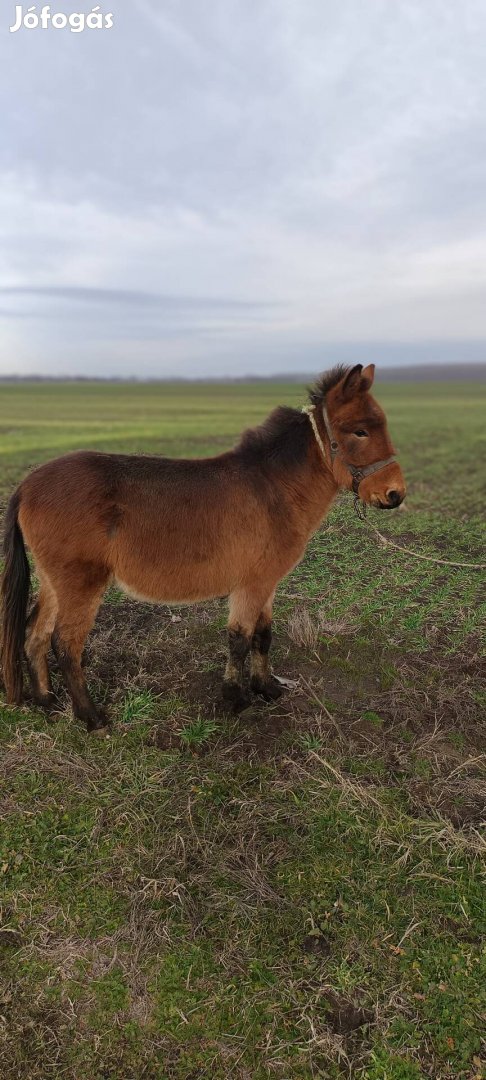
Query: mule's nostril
<point x="394" y="498"/>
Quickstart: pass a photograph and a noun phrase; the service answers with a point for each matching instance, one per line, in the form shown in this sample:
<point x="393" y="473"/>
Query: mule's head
<point x="359" y="429"/>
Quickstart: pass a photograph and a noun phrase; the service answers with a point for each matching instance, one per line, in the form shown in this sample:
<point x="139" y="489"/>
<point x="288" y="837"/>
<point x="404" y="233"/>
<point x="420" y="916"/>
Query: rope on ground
<point x="427" y="558"/>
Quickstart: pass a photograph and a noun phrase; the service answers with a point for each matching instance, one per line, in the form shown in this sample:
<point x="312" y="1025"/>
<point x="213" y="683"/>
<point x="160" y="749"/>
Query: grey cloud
<point x="131" y="297"/>
<point x="277" y="174"/>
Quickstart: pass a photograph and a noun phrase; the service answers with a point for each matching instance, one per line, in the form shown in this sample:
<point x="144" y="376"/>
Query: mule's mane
<point x="326" y="382"/>
<point x="282" y="440"/>
<point x="284" y="437"/>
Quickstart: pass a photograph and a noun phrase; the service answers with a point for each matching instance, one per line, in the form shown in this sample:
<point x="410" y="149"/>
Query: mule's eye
<point x="361" y="434"/>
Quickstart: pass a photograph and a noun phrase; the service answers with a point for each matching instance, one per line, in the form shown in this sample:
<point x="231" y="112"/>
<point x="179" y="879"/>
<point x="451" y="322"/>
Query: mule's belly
<point x="196" y="552"/>
<point x="178" y="576"/>
<point x="163" y="593"/>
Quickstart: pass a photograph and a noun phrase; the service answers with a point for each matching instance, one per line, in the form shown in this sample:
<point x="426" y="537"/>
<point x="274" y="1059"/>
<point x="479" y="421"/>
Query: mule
<point x="182" y="531"/>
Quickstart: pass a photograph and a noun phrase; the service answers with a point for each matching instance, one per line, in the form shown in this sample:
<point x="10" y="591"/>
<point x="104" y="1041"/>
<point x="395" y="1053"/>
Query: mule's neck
<point x="313" y="487"/>
<point x="285" y="448"/>
<point x="309" y="485"/>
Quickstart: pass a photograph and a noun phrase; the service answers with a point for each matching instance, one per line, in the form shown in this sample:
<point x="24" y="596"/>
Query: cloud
<point x="203" y="186"/>
<point x="76" y="294"/>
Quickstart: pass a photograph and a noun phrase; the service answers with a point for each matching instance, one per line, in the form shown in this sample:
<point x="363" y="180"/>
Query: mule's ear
<point x="351" y="384"/>
<point x="367" y="377"/>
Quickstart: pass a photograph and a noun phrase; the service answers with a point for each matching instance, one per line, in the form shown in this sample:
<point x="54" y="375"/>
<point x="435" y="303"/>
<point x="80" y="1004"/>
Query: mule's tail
<point x="15" y="595"/>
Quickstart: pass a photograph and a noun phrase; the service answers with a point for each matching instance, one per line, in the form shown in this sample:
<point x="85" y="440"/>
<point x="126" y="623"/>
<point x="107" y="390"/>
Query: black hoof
<point x="96" y="720"/>
<point x="101" y="731"/>
<point x="270" y="690"/>
<point x="235" y="697"/>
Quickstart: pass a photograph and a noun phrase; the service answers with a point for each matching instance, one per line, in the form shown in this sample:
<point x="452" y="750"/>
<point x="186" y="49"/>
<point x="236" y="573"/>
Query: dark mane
<point x="325" y="382"/>
<point x="281" y="441"/>
<point x="284" y="437"/>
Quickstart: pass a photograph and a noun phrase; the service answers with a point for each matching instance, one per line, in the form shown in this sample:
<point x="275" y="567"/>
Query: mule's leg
<point x="78" y="605"/>
<point x="40" y="626"/>
<point x="244" y="610"/>
<point x="262" y="681"/>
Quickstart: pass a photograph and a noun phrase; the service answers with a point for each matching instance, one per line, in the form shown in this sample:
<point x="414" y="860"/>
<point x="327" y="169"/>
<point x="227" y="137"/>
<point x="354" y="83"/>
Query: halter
<point x="358" y="472"/>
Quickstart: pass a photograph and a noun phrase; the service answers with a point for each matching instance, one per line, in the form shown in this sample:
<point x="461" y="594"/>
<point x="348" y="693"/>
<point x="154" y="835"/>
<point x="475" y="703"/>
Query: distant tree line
<point x="411" y="373"/>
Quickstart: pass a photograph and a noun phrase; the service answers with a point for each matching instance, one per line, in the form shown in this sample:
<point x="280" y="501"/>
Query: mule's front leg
<point x="262" y="681"/>
<point x="239" y="646"/>
<point x="245" y="607"/>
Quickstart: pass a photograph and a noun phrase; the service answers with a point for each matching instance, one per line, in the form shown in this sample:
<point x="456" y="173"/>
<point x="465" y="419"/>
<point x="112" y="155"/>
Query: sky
<point x="243" y="187"/>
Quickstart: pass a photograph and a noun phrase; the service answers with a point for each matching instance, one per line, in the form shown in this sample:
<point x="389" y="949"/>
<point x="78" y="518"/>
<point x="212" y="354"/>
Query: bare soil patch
<point x="422" y="731"/>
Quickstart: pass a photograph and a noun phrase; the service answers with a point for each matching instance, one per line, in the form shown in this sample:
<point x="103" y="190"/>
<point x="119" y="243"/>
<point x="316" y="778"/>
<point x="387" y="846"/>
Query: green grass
<point x="296" y="893"/>
<point x="198" y="732"/>
<point x="138" y="706"/>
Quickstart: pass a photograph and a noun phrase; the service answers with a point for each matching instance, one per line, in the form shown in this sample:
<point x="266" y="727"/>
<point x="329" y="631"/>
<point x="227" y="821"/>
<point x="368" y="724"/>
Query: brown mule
<point x="179" y="531"/>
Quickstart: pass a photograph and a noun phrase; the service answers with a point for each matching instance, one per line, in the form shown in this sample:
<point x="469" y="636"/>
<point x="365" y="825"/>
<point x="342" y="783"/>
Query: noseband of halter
<point x="358" y="472"/>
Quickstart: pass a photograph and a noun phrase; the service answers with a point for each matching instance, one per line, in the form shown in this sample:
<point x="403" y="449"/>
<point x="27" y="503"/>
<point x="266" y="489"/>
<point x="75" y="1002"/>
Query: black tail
<point x="15" y="595"/>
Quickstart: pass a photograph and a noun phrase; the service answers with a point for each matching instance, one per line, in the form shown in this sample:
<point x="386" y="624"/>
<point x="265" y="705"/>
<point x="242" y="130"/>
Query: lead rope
<point x="428" y="558"/>
<point x="360" y="509"/>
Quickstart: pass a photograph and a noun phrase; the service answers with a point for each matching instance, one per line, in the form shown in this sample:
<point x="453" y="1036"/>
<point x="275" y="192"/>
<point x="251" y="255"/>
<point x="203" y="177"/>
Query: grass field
<point x="294" y="893"/>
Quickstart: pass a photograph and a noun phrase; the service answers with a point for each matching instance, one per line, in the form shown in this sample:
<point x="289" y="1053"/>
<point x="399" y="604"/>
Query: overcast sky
<point x="243" y="186"/>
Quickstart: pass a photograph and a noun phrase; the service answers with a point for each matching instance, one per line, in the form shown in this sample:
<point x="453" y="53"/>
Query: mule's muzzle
<point x="388" y="499"/>
<point x="393" y="499"/>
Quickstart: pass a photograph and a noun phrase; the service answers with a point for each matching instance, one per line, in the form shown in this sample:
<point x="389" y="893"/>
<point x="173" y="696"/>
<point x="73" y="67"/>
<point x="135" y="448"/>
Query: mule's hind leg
<point x="40" y="626"/>
<point x="78" y="601"/>
<point x="245" y="607"/>
<point x="262" y="681"/>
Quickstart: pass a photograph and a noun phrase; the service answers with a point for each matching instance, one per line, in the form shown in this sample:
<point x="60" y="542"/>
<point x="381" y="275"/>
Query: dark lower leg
<point x="69" y="660"/>
<point x="239" y="647"/>
<point x="37" y="641"/>
<point x="78" y="603"/>
<point x="42" y="688"/>
<point x="262" y="681"/>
